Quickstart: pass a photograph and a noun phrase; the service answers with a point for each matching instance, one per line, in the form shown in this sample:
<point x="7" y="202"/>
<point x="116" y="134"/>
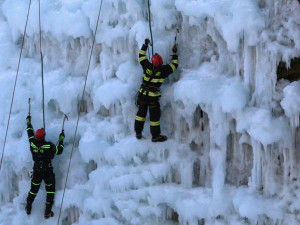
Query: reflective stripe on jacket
<point x="42" y="150"/>
<point x="153" y="80"/>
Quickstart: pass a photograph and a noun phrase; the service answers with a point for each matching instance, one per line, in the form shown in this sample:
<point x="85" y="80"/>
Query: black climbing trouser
<point x="42" y="172"/>
<point x="154" y="108"/>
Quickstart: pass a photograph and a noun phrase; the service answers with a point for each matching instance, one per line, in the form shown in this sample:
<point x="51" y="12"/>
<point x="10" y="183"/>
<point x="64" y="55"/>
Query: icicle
<point x="256" y="177"/>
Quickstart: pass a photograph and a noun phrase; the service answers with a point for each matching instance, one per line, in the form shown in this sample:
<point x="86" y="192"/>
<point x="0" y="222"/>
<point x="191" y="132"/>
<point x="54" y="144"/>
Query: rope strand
<point x="16" y="78"/>
<point x="149" y="14"/>
<point x="42" y="67"/>
<point x="87" y="73"/>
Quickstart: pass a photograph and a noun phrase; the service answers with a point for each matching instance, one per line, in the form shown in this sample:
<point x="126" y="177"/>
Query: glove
<point x="62" y="136"/>
<point x="28" y="119"/>
<point x="147" y="41"/>
<point x="174" y="49"/>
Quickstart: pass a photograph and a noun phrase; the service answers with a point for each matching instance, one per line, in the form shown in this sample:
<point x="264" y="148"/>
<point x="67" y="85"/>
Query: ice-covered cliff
<point x="233" y="151"/>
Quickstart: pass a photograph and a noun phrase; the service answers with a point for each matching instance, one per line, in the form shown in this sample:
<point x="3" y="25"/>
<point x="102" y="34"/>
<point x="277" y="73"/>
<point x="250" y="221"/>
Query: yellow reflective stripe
<point x="32" y="145"/>
<point x="143" y="52"/>
<point x="161" y="80"/>
<point x="31" y="137"/>
<point x="142" y="119"/>
<point x="149" y="72"/>
<point x="150" y="93"/>
<point x="175" y="61"/>
<point x="48" y="185"/>
<point x="156" y="123"/>
<point x="57" y="148"/>
<point x="158" y="80"/>
<point x="173" y="67"/>
<point x="35" y="183"/>
<point x="33" y="193"/>
<point x="50" y="192"/>
<point x="29" y="128"/>
<point x="143" y="58"/>
<point x="45" y="146"/>
<point x="145" y="77"/>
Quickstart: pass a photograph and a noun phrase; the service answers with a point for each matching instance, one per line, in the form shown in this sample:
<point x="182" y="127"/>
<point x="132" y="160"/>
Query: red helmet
<point x="157" y="60"/>
<point x="40" y="134"/>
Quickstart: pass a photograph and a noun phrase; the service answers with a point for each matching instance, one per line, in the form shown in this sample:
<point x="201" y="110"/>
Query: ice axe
<point x="63" y="125"/>
<point x="29" y="106"/>
<point x="175" y="39"/>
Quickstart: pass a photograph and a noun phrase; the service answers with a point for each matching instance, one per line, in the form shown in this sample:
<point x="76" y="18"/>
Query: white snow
<point x="232" y="153"/>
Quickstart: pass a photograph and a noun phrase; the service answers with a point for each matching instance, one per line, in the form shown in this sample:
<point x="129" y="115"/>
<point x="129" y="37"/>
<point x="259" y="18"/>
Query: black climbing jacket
<point x="152" y="82"/>
<point x="42" y="151"/>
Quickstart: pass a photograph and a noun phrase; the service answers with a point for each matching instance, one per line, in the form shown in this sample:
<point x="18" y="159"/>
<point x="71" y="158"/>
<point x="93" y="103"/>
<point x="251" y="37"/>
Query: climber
<point x="42" y="153"/>
<point x="149" y="93"/>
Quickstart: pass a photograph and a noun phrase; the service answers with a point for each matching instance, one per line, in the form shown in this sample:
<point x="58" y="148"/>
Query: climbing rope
<point x="149" y="15"/>
<point x="87" y="73"/>
<point x="13" y="95"/>
<point x="42" y="66"/>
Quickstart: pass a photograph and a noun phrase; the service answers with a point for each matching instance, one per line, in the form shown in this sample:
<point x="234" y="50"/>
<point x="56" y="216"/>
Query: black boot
<point x="159" y="138"/>
<point x="138" y="136"/>
<point x="28" y="207"/>
<point x="48" y="212"/>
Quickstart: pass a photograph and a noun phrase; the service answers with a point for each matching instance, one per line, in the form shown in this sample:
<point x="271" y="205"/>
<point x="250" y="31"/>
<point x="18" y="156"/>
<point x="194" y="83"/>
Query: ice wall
<point x="233" y="130"/>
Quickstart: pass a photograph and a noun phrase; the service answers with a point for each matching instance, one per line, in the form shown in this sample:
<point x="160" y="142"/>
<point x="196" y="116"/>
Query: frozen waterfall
<point x="232" y="157"/>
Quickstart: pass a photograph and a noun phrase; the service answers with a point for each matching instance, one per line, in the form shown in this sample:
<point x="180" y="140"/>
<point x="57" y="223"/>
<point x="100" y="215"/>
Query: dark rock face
<point x="290" y="72"/>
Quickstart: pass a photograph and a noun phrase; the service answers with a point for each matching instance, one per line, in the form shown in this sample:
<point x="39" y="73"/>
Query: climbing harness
<point x="16" y="78"/>
<point x="87" y="73"/>
<point x="42" y="166"/>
